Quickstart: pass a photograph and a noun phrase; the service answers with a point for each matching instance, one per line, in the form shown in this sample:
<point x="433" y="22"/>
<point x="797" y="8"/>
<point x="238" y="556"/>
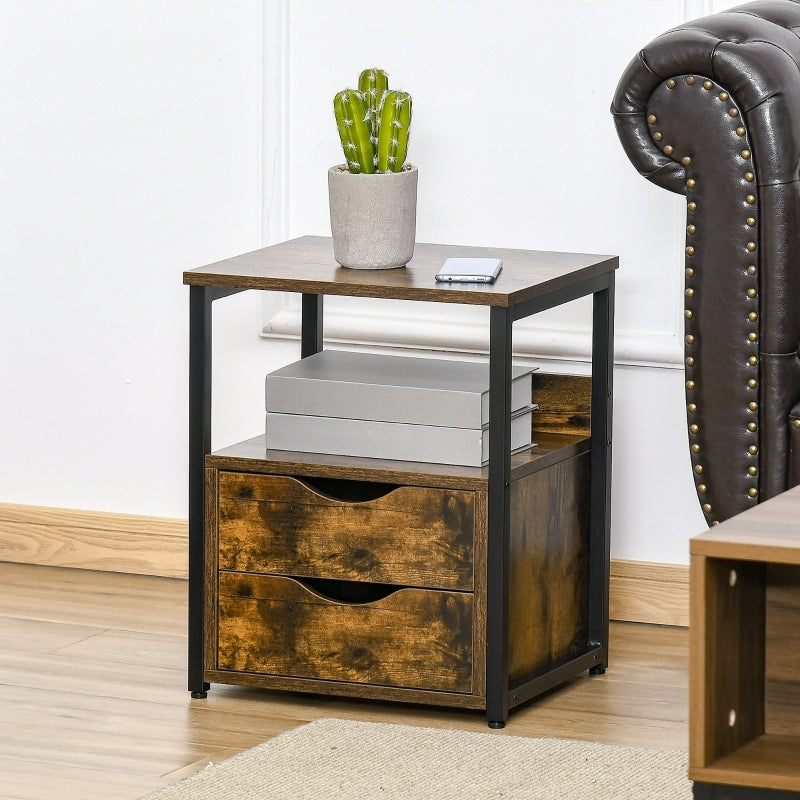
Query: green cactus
<point x="393" y="131"/>
<point x="373" y="124"/>
<point x="372" y="83"/>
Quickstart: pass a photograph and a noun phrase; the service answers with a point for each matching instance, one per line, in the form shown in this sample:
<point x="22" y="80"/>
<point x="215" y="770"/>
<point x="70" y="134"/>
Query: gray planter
<point x="373" y="217"/>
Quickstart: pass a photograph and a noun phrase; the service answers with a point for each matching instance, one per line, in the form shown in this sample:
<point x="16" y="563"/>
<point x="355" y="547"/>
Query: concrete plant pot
<point x="373" y="217"/>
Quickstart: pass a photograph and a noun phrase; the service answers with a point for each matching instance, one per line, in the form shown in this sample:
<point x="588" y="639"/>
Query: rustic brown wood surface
<point x="526" y="274"/>
<point x="565" y="403"/>
<point x="413" y="536"/>
<point x="745" y="635"/>
<point x="413" y="637"/>
<point x="549" y="566"/>
<point x="93" y="687"/>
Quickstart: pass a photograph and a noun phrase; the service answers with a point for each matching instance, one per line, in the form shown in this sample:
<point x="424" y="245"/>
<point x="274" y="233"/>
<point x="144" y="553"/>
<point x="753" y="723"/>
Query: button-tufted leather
<point x="711" y="110"/>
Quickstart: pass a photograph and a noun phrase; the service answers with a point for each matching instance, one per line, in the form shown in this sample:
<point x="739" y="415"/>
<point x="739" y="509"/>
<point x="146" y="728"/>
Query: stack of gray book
<point x="390" y="407"/>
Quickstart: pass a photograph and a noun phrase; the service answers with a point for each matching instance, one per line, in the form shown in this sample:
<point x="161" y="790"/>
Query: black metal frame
<point x="721" y="791"/>
<point x="500" y="696"/>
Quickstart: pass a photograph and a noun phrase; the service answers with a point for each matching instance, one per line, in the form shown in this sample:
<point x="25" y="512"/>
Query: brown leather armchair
<point x="711" y="110"/>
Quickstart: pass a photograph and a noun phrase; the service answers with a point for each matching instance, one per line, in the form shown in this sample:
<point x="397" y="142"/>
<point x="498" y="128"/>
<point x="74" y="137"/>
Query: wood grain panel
<point x="565" y="403"/>
<point x="782" y="687"/>
<point x="733" y="654"/>
<point x="549" y="566"/>
<point x="412" y="536"/>
<point x="413" y="638"/>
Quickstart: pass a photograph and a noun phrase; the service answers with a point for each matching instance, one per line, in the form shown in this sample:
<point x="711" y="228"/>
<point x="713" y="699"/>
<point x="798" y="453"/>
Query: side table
<point x="530" y="512"/>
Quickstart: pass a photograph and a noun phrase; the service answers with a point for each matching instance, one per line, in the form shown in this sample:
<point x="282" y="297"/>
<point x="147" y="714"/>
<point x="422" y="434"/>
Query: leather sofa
<point x="711" y="110"/>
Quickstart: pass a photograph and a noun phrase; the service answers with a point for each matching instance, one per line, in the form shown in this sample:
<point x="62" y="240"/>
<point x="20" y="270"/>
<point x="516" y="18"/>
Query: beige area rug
<point x="334" y="759"/>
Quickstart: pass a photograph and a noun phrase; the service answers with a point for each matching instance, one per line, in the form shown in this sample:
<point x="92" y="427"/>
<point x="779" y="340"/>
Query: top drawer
<point x="407" y="535"/>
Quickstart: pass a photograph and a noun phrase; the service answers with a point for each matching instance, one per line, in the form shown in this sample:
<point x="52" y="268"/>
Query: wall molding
<point x="438" y="326"/>
<point x="640" y="591"/>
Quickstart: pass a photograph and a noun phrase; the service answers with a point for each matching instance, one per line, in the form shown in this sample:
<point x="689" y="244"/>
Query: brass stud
<point x="753" y="406"/>
<point x="689" y="339"/>
<point x="686" y="161"/>
<point x="751" y="222"/>
<point x="749" y="177"/>
<point x="702" y="488"/>
<point x="670" y="84"/>
<point x="740" y="131"/>
<point x="723" y="96"/>
<point x="695" y="428"/>
<point x="707" y="508"/>
<point x="691" y="183"/>
<point x="688" y="314"/>
<point x="692" y="206"/>
<point x="652" y="119"/>
<point x="745" y="154"/>
<point x="692" y="407"/>
<point x="751" y="426"/>
<point x="690" y="385"/>
<point x="668" y="149"/>
<point x="734" y="112"/>
<point x="751" y="246"/>
<point x="753" y="361"/>
<point x="752" y="492"/>
<point x="752" y="316"/>
<point x="689" y="272"/>
<point x="689" y="361"/>
<point x="708" y="85"/>
<point x="714" y="522"/>
<point x="753" y="450"/>
<point x="752" y="470"/>
<point x="695" y="448"/>
<point x="691" y="229"/>
<point x="690" y="80"/>
<point x="751" y="270"/>
<point x="689" y="292"/>
<point x="797" y="423"/>
<point x="752" y="336"/>
<point x="751" y="198"/>
<point x="698" y="468"/>
<point x="657" y="136"/>
<point x="752" y="383"/>
<point x="690" y="251"/>
<point x="752" y="293"/>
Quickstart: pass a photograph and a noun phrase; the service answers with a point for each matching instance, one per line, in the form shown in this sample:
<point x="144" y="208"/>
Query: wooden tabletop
<point x="768" y="532"/>
<point x="307" y="265"/>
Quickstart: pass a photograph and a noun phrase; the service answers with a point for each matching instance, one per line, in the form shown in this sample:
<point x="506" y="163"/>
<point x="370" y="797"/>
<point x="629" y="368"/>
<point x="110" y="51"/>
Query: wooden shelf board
<point x="252" y="455"/>
<point x="769" y="762"/>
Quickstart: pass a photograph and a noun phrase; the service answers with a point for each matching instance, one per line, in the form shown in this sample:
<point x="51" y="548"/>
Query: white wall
<point x="141" y="139"/>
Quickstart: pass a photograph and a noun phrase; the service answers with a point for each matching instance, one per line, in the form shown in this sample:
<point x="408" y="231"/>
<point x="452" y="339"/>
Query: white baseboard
<point x="640" y="591"/>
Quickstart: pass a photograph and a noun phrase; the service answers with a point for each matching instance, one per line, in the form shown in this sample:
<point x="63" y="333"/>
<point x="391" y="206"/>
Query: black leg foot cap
<point x="497" y="725"/>
<point x="199" y="695"/>
<point x="597" y="669"/>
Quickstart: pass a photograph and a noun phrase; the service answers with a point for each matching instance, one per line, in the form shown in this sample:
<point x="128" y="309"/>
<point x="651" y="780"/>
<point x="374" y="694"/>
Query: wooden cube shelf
<point x="745" y="654"/>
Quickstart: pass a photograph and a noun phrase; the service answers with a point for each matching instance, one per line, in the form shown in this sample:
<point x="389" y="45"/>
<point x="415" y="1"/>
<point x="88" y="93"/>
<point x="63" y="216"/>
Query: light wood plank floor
<point x="94" y="701"/>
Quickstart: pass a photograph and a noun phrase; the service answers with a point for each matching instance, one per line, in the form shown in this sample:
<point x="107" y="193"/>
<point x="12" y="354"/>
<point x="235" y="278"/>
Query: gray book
<point x="424" y="391"/>
<point x="391" y="440"/>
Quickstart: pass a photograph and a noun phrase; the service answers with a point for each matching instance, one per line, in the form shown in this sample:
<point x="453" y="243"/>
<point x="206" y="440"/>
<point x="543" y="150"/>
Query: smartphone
<point x="470" y="270"/>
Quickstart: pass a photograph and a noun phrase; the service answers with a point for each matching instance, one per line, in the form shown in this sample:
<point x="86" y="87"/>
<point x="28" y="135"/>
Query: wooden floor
<point x="93" y="696"/>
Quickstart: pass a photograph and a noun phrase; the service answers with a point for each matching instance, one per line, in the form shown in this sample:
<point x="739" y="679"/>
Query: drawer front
<point x="413" y="638"/>
<point x="410" y="536"/>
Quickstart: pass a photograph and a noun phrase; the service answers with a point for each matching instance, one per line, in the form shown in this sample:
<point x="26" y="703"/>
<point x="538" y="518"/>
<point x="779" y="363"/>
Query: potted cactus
<point x="373" y="195"/>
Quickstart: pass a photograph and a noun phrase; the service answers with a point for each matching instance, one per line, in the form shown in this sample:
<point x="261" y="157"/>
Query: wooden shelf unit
<point x="745" y="654"/>
<point x="463" y="586"/>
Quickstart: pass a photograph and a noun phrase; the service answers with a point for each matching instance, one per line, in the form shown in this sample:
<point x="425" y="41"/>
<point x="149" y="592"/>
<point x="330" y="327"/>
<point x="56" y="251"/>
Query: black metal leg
<point x="199" y="445"/>
<point x="200" y="300"/>
<point x="600" y="515"/>
<point x="500" y="330"/>
<point x="311" y="325"/>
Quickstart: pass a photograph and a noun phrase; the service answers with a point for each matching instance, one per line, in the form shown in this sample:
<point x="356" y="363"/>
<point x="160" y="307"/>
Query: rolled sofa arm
<point x="711" y="110"/>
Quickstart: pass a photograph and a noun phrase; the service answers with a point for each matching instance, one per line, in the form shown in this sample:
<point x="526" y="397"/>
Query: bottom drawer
<point x="412" y="638"/>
